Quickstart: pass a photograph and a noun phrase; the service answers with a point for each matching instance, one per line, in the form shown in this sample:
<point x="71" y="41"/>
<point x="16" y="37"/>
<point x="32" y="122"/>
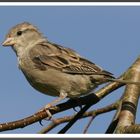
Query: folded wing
<point x="48" y="54"/>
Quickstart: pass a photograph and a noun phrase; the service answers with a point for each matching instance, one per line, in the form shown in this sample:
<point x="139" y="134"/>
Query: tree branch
<point x="100" y="94"/>
<point x="88" y="125"/>
<point x="133" y="129"/>
<point x="130" y="99"/>
<point x="115" y="119"/>
<point x="59" y="108"/>
<point x="42" y="114"/>
<point x="93" y="113"/>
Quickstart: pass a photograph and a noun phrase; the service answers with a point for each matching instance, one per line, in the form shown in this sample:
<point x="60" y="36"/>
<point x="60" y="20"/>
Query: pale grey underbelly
<point x="52" y="82"/>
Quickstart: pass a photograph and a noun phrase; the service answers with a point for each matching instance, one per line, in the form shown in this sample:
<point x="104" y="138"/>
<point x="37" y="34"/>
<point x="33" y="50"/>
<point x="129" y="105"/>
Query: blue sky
<point x="108" y="36"/>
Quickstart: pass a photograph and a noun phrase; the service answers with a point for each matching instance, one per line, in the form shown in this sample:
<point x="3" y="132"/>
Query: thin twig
<point x="88" y="125"/>
<point x="111" y="128"/>
<point x="92" y="113"/>
<point x="58" y="108"/>
<point x="100" y="94"/>
<point x="43" y="114"/>
<point x="75" y="118"/>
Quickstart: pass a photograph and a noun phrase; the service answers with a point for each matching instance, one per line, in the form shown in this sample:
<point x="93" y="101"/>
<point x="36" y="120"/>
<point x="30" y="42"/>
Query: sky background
<point x="107" y="36"/>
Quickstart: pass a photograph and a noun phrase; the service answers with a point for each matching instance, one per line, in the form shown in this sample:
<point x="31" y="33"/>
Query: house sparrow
<point x="53" y="69"/>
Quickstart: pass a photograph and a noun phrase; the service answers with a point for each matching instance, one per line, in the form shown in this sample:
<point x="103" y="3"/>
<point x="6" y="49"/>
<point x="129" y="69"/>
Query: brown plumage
<point x="53" y="69"/>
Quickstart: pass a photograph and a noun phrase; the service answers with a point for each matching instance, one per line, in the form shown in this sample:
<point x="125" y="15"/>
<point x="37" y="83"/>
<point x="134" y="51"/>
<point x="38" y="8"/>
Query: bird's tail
<point x="123" y="81"/>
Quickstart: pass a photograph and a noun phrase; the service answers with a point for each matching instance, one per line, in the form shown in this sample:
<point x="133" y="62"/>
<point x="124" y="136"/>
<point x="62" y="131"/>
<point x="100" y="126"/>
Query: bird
<point x="53" y="69"/>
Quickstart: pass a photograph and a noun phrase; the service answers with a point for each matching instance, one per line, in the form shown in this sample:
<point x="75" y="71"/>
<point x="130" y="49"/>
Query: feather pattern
<point x="64" y="59"/>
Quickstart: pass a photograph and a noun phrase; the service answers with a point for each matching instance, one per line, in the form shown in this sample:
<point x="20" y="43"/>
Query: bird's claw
<point x="46" y="109"/>
<point x="40" y="122"/>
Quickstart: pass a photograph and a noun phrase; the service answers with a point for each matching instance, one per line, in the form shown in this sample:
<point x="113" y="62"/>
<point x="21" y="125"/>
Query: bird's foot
<point x="47" y="107"/>
<point x="49" y="115"/>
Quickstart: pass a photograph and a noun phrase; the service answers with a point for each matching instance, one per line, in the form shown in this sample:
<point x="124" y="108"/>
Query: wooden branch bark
<point x="111" y="128"/>
<point x="100" y="94"/>
<point x="133" y="129"/>
<point x="130" y="99"/>
<point x="93" y="113"/>
<point x="59" y="108"/>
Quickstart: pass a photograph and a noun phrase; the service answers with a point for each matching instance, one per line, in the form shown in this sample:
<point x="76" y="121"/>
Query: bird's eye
<point x="19" y="33"/>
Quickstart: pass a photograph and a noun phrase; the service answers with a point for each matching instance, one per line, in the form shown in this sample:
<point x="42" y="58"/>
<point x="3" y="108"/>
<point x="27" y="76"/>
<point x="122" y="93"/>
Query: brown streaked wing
<point x="86" y="67"/>
<point x="66" y="60"/>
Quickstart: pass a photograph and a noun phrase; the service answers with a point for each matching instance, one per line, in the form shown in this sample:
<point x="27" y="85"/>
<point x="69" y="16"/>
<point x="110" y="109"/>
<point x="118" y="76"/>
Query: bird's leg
<point x="61" y="97"/>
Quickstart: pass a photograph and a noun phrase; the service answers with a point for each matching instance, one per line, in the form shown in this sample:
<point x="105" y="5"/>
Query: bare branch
<point x="130" y="98"/>
<point x="59" y="108"/>
<point x="93" y="113"/>
<point x="88" y="125"/>
<point x="42" y="114"/>
<point x="133" y="129"/>
<point x="100" y="94"/>
<point x="111" y="128"/>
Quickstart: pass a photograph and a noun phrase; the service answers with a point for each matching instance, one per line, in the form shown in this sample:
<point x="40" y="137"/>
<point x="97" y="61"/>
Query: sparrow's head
<point x="21" y="35"/>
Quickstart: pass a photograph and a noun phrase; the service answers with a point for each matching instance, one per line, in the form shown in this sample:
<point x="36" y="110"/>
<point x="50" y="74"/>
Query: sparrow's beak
<point x="8" y="42"/>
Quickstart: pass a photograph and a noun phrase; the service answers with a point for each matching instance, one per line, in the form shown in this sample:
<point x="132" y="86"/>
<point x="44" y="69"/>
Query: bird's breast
<point x="52" y="81"/>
